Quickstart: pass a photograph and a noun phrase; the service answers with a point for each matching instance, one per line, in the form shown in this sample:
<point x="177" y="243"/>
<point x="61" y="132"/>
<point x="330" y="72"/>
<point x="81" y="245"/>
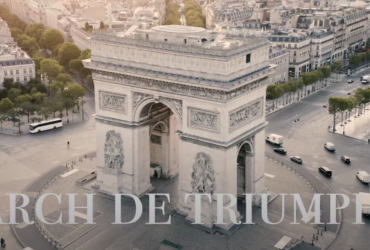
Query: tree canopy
<point x="28" y="44"/>
<point x="51" y="38"/>
<point x="35" y="30"/>
<point x="67" y="52"/>
<point x="50" y="68"/>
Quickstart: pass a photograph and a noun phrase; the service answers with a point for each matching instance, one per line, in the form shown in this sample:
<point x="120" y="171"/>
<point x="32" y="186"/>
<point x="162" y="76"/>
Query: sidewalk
<point x="357" y="127"/>
<point x="278" y="107"/>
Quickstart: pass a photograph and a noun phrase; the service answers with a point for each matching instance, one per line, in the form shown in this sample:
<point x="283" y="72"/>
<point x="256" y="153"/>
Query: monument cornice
<point x="181" y="89"/>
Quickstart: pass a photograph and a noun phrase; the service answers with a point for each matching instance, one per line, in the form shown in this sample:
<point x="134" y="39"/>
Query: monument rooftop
<point x="179" y="38"/>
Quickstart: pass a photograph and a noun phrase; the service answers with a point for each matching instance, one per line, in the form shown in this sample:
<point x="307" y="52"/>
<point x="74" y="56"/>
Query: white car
<point x="363" y="176"/>
<point x="350" y="81"/>
<point x="329" y="146"/>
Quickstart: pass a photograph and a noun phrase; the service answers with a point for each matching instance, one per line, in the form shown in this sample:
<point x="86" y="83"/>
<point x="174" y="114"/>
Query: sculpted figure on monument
<point x="113" y="150"/>
<point x="203" y="176"/>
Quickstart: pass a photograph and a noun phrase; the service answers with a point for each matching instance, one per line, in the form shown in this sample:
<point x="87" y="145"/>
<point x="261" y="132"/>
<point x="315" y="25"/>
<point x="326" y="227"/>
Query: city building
<point x="230" y="12"/>
<point x="163" y="96"/>
<point x="321" y="47"/>
<point x="280" y="57"/>
<point x="14" y="62"/>
<point x="298" y="43"/>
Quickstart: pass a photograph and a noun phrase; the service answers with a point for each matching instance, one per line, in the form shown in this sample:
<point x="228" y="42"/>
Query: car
<point x="350" y="81"/>
<point x="325" y="106"/>
<point x="296" y="159"/>
<point x="280" y="151"/>
<point x="363" y="177"/>
<point x="345" y="159"/>
<point x="326" y="171"/>
<point x="349" y="93"/>
<point x="329" y="146"/>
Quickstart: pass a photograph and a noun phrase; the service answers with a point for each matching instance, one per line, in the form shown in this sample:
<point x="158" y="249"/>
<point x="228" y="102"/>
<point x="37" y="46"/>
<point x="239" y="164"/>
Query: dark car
<point x="345" y="159"/>
<point x="280" y="151"/>
<point x="296" y="159"/>
<point x="326" y="171"/>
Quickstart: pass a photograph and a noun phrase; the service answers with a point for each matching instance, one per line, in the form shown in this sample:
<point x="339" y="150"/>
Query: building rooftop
<point x="11" y="54"/>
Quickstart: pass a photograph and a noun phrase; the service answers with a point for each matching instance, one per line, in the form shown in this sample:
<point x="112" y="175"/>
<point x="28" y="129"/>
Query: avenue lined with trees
<point x="295" y="89"/>
<point x="53" y="90"/>
<point x="192" y="11"/>
<point x="355" y="104"/>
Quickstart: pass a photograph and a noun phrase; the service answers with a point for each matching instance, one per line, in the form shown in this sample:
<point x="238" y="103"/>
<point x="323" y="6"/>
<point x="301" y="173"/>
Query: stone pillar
<point x="174" y="148"/>
<point x="259" y="166"/>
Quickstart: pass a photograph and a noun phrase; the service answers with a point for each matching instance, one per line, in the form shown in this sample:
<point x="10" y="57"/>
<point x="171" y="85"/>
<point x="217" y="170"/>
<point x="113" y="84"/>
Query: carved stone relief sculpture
<point x="203" y="175"/>
<point x="203" y="119"/>
<point x="139" y="97"/>
<point x="113" y="150"/>
<point x="245" y="114"/>
<point x="112" y="101"/>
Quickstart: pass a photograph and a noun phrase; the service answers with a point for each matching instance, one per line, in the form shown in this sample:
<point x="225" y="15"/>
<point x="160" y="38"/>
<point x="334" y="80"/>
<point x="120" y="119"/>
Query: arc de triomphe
<point x="183" y="98"/>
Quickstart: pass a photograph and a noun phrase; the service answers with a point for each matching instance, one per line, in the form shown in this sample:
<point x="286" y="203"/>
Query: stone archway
<point x="245" y="166"/>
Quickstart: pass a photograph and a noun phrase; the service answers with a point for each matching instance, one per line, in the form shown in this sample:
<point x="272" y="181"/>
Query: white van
<point x="363" y="176"/>
<point x="329" y="146"/>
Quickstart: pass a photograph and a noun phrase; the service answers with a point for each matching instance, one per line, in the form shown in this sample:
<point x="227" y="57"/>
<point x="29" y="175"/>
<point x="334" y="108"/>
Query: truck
<point x="365" y="198"/>
<point x="275" y="139"/>
<point x="365" y="79"/>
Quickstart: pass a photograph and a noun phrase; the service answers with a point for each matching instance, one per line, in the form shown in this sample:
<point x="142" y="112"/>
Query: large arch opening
<point x="245" y="169"/>
<point x="163" y="151"/>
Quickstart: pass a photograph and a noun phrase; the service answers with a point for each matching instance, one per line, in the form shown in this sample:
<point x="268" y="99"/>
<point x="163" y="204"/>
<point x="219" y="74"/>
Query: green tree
<point x="38" y="60"/>
<point x="102" y="26"/>
<point x="76" y="66"/>
<point x="55" y="51"/>
<point x="355" y="60"/>
<point x="64" y="77"/>
<point x="35" y="30"/>
<point x="87" y="26"/>
<point x="90" y="81"/>
<point x="337" y="67"/>
<point x="334" y="108"/>
<point x="51" y="38"/>
<point x="85" y="54"/>
<point x="28" y="44"/>
<point x="13" y="94"/>
<point x="352" y="104"/>
<point x="5" y="105"/>
<point x="50" y="68"/>
<point x="326" y="70"/>
<point x="360" y="99"/>
<point x="25" y="103"/>
<point x="67" y="52"/>
<point x="16" y="33"/>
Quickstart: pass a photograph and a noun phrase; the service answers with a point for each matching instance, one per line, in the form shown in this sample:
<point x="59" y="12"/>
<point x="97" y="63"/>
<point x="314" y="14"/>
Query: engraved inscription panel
<point x="245" y="114"/>
<point x="113" y="102"/>
<point x="203" y="119"/>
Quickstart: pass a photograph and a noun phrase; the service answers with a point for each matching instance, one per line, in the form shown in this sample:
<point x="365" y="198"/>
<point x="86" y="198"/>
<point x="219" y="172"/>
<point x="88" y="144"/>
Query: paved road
<point x="306" y="139"/>
<point x="25" y="158"/>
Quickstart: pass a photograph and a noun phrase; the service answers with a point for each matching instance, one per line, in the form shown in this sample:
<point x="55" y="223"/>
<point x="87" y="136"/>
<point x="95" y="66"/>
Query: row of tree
<point x="288" y="89"/>
<point x="356" y="103"/>
<point x="13" y="20"/>
<point x="359" y="58"/>
<point x="36" y="98"/>
<point x="193" y="14"/>
<point x="172" y="14"/>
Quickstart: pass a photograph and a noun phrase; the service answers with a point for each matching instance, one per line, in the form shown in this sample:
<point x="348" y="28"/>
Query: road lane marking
<point x="81" y="215"/>
<point x="269" y="175"/>
<point x="69" y="173"/>
<point x="310" y="217"/>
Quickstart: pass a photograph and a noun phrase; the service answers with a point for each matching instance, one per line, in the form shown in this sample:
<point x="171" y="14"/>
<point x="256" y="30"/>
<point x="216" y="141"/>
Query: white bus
<point x="46" y="125"/>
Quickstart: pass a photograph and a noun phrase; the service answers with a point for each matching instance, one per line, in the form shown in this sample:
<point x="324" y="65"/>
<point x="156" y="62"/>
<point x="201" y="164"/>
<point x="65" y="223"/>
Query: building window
<point x="25" y="79"/>
<point x="5" y="73"/>
<point x="17" y="79"/>
<point x="17" y="72"/>
<point x="147" y="36"/>
<point x="24" y="71"/>
<point x="165" y="40"/>
<point x="30" y="70"/>
<point x="248" y="58"/>
<point x="11" y="72"/>
<point x="184" y="41"/>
